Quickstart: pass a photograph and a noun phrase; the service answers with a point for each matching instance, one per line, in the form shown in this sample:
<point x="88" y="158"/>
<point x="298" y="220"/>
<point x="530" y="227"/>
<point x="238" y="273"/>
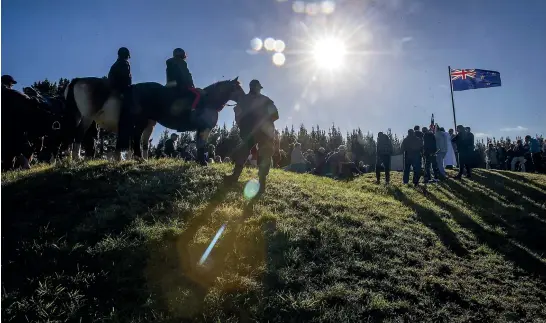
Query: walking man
<point x="255" y="115"/>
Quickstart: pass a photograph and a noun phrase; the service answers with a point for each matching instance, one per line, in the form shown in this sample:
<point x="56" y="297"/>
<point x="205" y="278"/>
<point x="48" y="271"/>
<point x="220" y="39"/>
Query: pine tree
<point x="61" y="86"/>
<point x="161" y="143"/>
<point x="45" y="87"/>
<point x="214" y="136"/>
<point x="222" y="146"/>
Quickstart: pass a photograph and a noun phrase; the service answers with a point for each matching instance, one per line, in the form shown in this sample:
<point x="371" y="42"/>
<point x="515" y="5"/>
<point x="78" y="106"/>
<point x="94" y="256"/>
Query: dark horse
<point x="151" y="102"/>
<point x="25" y="125"/>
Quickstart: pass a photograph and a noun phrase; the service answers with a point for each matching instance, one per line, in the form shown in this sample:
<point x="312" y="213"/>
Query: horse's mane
<point x="218" y="83"/>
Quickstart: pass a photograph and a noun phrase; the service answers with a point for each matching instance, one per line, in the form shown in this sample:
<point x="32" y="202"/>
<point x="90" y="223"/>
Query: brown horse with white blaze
<point x="150" y="102"/>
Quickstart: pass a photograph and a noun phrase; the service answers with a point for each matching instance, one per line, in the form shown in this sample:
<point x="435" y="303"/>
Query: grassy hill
<point x="120" y="243"/>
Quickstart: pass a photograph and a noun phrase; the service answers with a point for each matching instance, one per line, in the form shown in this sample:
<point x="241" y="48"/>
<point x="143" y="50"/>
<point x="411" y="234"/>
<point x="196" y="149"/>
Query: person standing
<point x="534" y="150"/>
<point x="429" y="154"/>
<point x="518" y="154"/>
<point x="120" y="80"/>
<point x="170" y="145"/>
<point x="450" y="158"/>
<point x="491" y="161"/>
<point x="465" y="147"/>
<point x="383" y="156"/>
<point x="442" y="146"/>
<point x="454" y="146"/>
<point x="412" y="147"/>
<point x="255" y="115"/>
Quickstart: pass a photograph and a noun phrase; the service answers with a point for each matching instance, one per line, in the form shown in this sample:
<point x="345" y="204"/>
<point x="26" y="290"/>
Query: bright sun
<point x="329" y="53"/>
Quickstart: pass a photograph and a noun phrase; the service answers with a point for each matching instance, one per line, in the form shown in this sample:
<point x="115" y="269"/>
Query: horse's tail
<point x="69" y="96"/>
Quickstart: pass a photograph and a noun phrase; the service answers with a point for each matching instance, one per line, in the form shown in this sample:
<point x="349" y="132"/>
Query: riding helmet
<point x="179" y="52"/>
<point x="123" y="52"/>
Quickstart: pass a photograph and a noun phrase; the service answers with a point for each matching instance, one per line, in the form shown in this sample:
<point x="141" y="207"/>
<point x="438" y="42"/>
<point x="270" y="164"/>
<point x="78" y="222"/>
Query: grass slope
<point x="120" y="243"/>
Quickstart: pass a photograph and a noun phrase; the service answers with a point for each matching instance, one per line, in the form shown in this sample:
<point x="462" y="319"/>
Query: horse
<point x="27" y="125"/>
<point x="151" y="103"/>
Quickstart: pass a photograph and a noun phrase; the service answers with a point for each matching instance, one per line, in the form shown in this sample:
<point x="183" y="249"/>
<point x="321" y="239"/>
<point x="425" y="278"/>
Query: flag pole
<point x="452" y="101"/>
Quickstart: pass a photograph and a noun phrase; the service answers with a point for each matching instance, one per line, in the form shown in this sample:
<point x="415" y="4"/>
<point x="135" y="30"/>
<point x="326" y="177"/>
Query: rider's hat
<point x="8" y="79"/>
<point x="179" y="52"/>
<point x="255" y="83"/>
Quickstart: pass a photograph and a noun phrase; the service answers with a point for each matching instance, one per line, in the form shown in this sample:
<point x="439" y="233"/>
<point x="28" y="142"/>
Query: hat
<point x="255" y="83"/>
<point x="7" y="79"/>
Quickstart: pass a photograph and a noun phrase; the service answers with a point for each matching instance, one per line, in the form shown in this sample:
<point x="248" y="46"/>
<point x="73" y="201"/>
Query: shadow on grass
<point x="66" y="250"/>
<point x="519" y="256"/>
<point x="175" y="267"/>
<point x="518" y="178"/>
<point x="430" y="219"/>
<point x="519" y="225"/>
<point x="504" y="182"/>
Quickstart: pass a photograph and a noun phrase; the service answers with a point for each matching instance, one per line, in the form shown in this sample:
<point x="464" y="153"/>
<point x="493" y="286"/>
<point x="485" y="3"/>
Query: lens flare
<point x="328" y="7"/>
<point x="312" y="8"/>
<point x="329" y="53"/>
<point x="298" y="6"/>
<point x="269" y="44"/>
<point x="279" y="59"/>
<point x="279" y="46"/>
<point x="251" y="189"/>
<point x="256" y="44"/>
<point x="211" y="245"/>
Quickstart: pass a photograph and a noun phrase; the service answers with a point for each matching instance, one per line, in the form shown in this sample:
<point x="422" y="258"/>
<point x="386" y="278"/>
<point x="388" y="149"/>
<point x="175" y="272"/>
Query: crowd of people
<point x="428" y="151"/>
<point x="523" y="155"/>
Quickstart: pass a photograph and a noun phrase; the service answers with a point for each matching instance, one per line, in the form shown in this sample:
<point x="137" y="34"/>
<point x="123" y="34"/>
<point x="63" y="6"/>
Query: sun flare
<point x="329" y="53"/>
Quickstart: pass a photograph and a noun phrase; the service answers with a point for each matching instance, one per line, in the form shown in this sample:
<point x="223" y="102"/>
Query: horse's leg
<point x="80" y="134"/>
<point x="89" y="141"/>
<point x="206" y="119"/>
<point x="137" y="138"/>
<point x="201" y="143"/>
<point x="145" y="138"/>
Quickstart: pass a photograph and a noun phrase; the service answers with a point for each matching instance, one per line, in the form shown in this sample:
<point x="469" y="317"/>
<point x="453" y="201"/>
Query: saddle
<point x="190" y="93"/>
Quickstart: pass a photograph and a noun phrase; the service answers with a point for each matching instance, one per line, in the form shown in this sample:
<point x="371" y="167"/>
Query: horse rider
<point x="179" y="76"/>
<point x="255" y="115"/>
<point x="120" y="80"/>
<point x="8" y="81"/>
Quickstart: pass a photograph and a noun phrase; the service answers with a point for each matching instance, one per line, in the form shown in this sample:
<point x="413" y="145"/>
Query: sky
<point x="395" y="73"/>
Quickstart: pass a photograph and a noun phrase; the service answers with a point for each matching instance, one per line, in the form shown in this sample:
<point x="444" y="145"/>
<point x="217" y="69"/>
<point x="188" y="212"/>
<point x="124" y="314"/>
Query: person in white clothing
<point x="442" y="147"/>
<point x="298" y="163"/>
<point x="450" y="159"/>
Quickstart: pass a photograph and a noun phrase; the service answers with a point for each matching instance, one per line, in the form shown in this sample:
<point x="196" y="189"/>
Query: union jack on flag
<point x="462" y="74"/>
<point x="468" y="79"/>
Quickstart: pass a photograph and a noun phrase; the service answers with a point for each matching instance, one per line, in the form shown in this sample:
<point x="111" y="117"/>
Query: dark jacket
<point x="253" y="112"/>
<point x="412" y="145"/>
<point x="419" y="134"/>
<point x="518" y="151"/>
<point x="177" y="70"/>
<point x="384" y="146"/>
<point x="169" y="148"/>
<point x="429" y="143"/>
<point x="501" y="154"/>
<point x="120" y="75"/>
<point x="465" y="142"/>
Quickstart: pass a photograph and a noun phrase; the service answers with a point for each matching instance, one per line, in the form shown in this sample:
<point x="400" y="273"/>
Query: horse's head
<point x="219" y="93"/>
